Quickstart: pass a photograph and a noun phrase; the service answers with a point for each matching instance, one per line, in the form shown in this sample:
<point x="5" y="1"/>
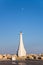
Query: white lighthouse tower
<point x="21" y="50"/>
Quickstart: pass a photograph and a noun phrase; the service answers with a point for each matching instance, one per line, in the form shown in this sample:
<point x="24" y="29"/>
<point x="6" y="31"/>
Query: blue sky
<point x="25" y="16"/>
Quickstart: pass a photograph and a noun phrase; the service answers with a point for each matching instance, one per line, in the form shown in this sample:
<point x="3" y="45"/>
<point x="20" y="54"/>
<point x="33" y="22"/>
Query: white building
<point x="21" y="50"/>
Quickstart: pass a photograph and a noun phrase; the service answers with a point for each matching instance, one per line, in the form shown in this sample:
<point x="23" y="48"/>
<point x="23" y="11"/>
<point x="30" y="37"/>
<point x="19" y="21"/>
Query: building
<point x="21" y="50"/>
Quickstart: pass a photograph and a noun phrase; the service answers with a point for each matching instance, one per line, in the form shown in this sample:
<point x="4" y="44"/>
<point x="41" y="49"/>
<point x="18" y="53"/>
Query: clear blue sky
<point x="25" y="16"/>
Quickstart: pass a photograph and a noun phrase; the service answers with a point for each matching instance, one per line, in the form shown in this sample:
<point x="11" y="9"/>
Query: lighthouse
<point x="21" y="50"/>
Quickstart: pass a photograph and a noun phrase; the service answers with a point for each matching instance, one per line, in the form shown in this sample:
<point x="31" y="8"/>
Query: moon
<point x="22" y="9"/>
